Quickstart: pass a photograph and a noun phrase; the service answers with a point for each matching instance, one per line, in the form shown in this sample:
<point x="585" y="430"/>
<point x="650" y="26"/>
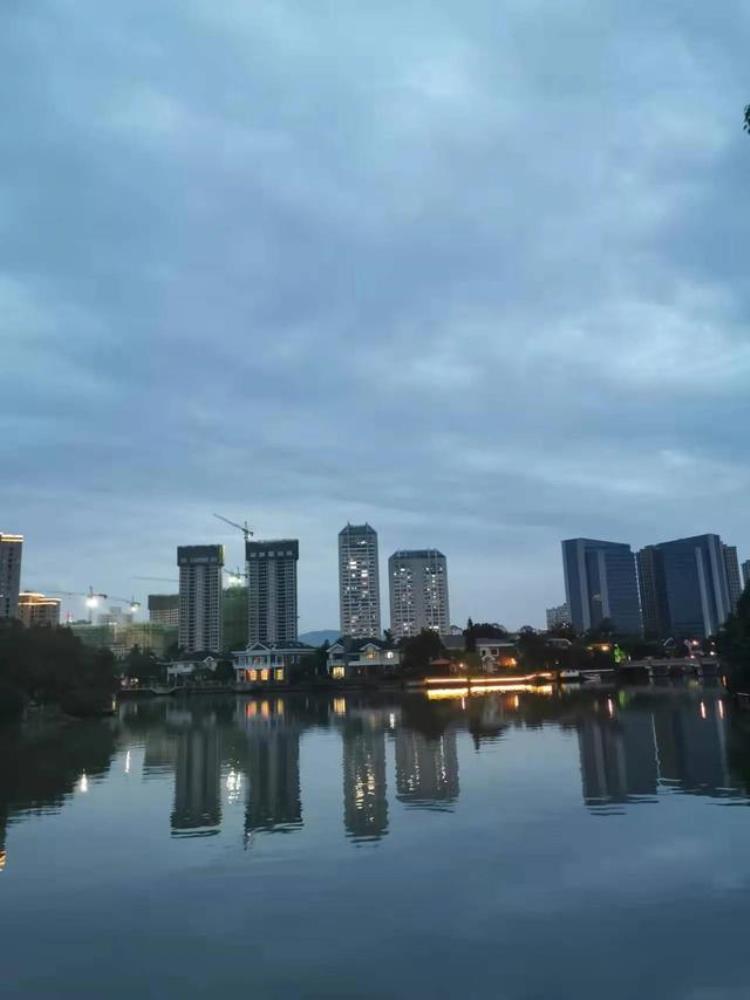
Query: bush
<point x="85" y="704"/>
<point x="12" y="703"/>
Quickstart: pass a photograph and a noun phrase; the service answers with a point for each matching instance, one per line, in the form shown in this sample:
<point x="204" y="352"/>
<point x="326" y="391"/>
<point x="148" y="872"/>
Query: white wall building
<point x="200" y="616"/>
<point x="11" y="549"/>
<point x="418" y="586"/>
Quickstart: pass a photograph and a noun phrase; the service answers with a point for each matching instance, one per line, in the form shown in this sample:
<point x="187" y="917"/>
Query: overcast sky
<point x="475" y="272"/>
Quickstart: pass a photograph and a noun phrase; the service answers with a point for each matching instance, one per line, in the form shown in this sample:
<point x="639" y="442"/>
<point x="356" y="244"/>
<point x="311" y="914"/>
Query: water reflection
<point x="243" y="757"/>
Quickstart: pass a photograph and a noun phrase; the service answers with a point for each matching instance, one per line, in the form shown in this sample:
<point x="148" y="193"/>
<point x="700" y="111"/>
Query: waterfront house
<point x="268" y="662"/>
<point x="497" y="654"/>
<point x="179" y="670"/>
<point x="362" y="658"/>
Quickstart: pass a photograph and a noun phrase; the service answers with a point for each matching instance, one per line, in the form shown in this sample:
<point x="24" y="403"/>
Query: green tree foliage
<point x="142" y="665"/>
<point x="418" y="651"/>
<point x="313" y="666"/>
<point x="733" y="643"/>
<point x="746" y="124"/>
<point x="52" y="664"/>
<point x="224" y="672"/>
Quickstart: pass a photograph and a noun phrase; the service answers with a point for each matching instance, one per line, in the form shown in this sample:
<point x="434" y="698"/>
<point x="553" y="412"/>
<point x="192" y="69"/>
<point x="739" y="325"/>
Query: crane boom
<point x="241" y="527"/>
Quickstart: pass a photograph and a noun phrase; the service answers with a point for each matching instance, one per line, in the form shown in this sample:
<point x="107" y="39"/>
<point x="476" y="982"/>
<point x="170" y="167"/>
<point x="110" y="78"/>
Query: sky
<point x="474" y="272"/>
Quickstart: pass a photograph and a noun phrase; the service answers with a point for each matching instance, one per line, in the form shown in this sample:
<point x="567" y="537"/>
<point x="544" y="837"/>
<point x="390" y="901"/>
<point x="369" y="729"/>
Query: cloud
<point x="475" y="273"/>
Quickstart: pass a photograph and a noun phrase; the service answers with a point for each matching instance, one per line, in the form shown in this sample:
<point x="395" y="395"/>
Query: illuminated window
<point x="253" y="675"/>
<point x="264" y="675"/>
<point x="279" y="674"/>
<point x="338" y="672"/>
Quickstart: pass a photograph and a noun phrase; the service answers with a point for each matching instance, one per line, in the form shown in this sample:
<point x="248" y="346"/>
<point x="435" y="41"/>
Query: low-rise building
<point x="497" y="654"/>
<point x="361" y="658"/>
<point x="268" y="662"/>
<point x="37" y="609"/>
<point x="179" y="670"/>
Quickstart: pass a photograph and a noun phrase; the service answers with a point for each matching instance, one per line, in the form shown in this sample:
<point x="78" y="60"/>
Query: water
<point x="515" y="846"/>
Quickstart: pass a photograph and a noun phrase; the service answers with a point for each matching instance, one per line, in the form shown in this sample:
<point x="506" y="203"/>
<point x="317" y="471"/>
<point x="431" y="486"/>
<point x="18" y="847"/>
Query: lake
<point x="585" y="844"/>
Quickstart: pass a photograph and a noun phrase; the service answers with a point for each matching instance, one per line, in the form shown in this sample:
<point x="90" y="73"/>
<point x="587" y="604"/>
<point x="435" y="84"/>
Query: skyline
<point x="405" y="266"/>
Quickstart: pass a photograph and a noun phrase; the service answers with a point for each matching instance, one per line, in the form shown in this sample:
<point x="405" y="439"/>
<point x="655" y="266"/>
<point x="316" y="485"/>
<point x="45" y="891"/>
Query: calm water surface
<point x="519" y="846"/>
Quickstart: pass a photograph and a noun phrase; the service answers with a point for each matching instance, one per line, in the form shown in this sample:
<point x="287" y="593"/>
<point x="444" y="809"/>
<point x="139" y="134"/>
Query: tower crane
<point x="92" y="599"/>
<point x="240" y="527"/>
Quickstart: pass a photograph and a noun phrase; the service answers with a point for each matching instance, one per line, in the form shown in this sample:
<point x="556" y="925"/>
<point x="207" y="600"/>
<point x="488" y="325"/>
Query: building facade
<point x="732" y="566"/>
<point x="200" y="610"/>
<point x="418" y="586"/>
<point x="601" y="583"/>
<point x="685" y="586"/>
<point x="745" y="573"/>
<point x="359" y="581"/>
<point x="362" y="658"/>
<point x="272" y="591"/>
<point x="36" y="609"/>
<point x="164" y="609"/>
<point x="268" y="662"/>
<point x="558" y="616"/>
<point x="11" y="550"/>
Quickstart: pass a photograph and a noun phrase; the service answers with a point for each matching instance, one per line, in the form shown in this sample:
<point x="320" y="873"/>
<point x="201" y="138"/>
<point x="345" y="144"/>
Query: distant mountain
<point x="319" y="637"/>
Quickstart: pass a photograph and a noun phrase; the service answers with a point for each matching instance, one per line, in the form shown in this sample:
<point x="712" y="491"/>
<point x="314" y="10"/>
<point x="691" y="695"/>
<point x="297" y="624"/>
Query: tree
<point x="142" y="665"/>
<point x="746" y="125"/>
<point x="388" y="636"/>
<point x="733" y="642"/>
<point x="224" y="672"/>
<point x="419" y="651"/>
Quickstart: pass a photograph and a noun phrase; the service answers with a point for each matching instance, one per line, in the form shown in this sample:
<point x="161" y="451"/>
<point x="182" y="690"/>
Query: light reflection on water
<point x="508" y="779"/>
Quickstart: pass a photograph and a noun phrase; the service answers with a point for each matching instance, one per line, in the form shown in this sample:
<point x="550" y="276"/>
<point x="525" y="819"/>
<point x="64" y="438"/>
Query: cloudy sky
<point x="475" y="272"/>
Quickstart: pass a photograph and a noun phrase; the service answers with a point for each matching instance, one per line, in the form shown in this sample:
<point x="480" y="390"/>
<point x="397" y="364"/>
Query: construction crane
<point x="91" y="597"/>
<point x="240" y="527"/>
<point x="235" y="576"/>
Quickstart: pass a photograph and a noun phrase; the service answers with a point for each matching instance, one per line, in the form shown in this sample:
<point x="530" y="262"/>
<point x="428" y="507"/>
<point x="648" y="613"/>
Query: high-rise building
<point x="36" y="609"/>
<point x="359" y="581"/>
<point x="272" y="590"/>
<point x="418" y="583"/>
<point x="200" y="621"/>
<point x="746" y="572"/>
<point x="601" y="583"/>
<point x="685" y="586"/>
<point x="732" y="565"/>
<point x="11" y="547"/>
<point x="558" y="616"/>
<point x="164" y="609"/>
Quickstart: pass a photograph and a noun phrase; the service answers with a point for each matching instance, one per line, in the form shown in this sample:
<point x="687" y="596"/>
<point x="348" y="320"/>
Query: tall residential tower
<point x="11" y="547"/>
<point x="418" y="583"/>
<point x="359" y="581"/>
<point x="272" y="590"/>
<point x="200" y="623"/>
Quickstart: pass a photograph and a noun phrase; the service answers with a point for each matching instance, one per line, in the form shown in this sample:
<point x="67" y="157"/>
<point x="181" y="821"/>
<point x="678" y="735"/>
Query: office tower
<point x="558" y="616"/>
<point x="685" y="586"/>
<point x="359" y="581"/>
<point x="745" y="573"/>
<point x="36" y="609"/>
<point x="418" y="583"/>
<point x="199" y="628"/>
<point x="272" y="590"/>
<point x="11" y="547"/>
<point x="653" y="597"/>
<point x="732" y="566"/>
<point x="164" y="609"/>
<point x="600" y="582"/>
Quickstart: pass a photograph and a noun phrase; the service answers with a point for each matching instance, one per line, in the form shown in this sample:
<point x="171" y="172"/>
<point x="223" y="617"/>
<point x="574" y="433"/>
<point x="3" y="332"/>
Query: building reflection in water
<point x="365" y="801"/>
<point x="197" y="782"/>
<point x="426" y="769"/>
<point x="668" y="742"/>
<point x="271" y="764"/>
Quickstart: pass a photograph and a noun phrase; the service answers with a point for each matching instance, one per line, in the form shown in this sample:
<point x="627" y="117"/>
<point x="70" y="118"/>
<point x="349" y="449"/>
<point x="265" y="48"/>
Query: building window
<point x="278" y="675"/>
<point x="338" y="673"/>
<point x="264" y="675"/>
<point x="253" y="675"/>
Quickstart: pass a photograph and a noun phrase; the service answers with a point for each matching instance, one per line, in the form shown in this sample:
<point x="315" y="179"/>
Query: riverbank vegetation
<point x="45" y="665"/>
